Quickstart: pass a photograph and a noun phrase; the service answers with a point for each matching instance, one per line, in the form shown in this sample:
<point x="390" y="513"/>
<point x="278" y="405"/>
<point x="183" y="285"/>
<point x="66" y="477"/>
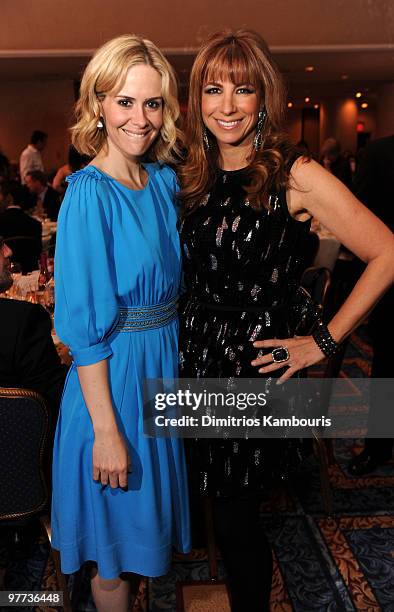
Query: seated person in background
<point x="76" y="161"/>
<point x="28" y="359"/>
<point x="333" y="161"/>
<point x="24" y="232"/>
<point x="28" y="356"/>
<point x="47" y="199"/>
<point x="4" y="167"/>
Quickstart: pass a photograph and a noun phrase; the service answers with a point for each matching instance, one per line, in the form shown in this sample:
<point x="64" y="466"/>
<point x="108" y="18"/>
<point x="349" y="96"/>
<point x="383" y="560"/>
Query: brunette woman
<point x="247" y="203"/>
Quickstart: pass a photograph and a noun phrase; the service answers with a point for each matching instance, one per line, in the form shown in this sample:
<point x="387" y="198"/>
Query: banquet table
<point x="26" y="288"/>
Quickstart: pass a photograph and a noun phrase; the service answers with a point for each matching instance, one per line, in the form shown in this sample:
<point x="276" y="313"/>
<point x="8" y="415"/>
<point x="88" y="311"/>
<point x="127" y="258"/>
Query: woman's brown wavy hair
<point x="242" y="57"/>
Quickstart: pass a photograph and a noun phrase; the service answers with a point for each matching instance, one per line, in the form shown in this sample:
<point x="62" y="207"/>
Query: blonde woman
<point x="120" y="499"/>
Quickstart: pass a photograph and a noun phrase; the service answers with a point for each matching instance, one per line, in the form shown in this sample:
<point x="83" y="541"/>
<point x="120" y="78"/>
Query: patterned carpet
<point x="330" y="564"/>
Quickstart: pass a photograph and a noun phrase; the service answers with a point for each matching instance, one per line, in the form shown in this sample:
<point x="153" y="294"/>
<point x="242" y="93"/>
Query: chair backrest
<point x="24" y="429"/>
<point x="317" y="282"/>
<point x="26" y="251"/>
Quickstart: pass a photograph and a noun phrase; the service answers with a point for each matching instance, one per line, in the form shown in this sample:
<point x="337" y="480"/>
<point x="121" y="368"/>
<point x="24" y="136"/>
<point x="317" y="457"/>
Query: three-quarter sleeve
<point x="86" y="301"/>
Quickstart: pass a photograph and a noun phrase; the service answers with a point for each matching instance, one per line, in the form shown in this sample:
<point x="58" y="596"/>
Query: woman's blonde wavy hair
<point x="105" y="74"/>
<point x="241" y="57"/>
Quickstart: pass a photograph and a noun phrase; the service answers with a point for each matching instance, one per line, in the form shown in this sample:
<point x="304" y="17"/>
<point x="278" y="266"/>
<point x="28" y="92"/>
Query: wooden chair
<point x="317" y="282"/>
<point x="24" y="465"/>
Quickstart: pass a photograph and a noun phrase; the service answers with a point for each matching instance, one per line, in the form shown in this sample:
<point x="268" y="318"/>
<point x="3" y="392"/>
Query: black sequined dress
<point x="237" y="257"/>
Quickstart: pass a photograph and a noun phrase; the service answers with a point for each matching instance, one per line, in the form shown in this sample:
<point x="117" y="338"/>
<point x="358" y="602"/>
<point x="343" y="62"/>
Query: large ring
<point x="280" y="354"/>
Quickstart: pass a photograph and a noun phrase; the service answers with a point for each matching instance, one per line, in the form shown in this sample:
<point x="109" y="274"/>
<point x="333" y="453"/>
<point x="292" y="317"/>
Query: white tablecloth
<point x="327" y="254"/>
<point x="24" y="284"/>
<point x="329" y="246"/>
<point x="48" y="229"/>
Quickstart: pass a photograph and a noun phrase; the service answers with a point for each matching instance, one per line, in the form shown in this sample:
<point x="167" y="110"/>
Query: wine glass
<point x="50" y="298"/>
<point x="16" y="270"/>
<point x="16" y="273"/>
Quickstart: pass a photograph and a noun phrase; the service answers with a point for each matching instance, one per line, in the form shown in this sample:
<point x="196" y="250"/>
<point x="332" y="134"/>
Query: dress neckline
<point x="233" y="171"/>
<point x="111" y="178"/>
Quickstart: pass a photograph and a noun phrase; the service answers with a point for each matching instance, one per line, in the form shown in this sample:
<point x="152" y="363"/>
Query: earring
<point x="205" y="139"/>
<point x="258" y="139"/>
<point x="100" y="124"/>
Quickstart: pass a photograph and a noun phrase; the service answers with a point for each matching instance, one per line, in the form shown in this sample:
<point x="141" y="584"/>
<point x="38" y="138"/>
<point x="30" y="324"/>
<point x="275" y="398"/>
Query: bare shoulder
<point x="316" y="192"/>
<point x="304" y="173"/>
<point x="302" y="178"/>
<point x="312" y="187"/>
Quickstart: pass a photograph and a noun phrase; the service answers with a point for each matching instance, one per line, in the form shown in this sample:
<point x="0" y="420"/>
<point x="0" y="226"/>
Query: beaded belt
<point x="139" y="318"/>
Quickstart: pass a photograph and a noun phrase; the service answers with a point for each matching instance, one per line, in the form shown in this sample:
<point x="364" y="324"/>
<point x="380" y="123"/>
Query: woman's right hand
<point x="111" y="460"/>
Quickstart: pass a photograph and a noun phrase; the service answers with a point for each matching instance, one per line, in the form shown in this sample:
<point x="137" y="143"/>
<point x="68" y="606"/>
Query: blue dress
<point x="117" y="248"/>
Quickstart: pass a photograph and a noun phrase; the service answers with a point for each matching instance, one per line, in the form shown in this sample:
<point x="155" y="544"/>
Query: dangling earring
<point x="205" y="139"/>
<point x="258" y="139"/>
<point x="100" y="124"/>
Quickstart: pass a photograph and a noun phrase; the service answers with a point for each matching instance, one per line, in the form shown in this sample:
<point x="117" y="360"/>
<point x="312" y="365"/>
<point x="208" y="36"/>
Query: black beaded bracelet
<point x="324" y="340"/>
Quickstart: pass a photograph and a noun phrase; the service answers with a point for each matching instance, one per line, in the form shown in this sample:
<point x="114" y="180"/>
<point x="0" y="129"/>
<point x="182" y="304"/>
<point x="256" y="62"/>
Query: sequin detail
<point x="205" y="200"/>
<point x="214" y="262"/>
<point x="274" y="275"/>
<point x="186" y="250"/>
<point x="235" y="224"/>
<point x="230" y="353"/>
<point x="242" y="267"/>
<point x="255" y="333"/>
<point x="274" y="202"/>
<point x="255" y="291"/>
<point x="219" y="232"/>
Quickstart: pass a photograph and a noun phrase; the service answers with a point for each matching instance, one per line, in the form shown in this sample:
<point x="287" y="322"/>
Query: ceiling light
<point x="344" y="77"/>
<point x="309" y="68"/>
<point x="364" y="105"/>
<point x="315" y="106"/>
<point x="290" y="105"/>
<point x="358" y="94"/>
<point x="307" y="99"/>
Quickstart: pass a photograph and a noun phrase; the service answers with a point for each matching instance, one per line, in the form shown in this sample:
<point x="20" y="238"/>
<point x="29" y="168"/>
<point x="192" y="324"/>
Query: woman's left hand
<point x="303" y="352"/>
